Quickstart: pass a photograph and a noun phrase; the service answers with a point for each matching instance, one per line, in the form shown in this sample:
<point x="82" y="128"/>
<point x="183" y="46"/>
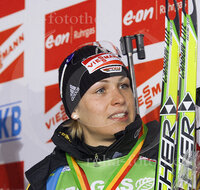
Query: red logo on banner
<point x="147" y="17"/>
<point x="66" y="29"/>
<point x="52" y="97"/>
<point x="143" y="71"/>
<point x="142" y="75"/>
<point x="11" y="54"/>
<point x="11" y="7"/>
<point x="12" y="175"/>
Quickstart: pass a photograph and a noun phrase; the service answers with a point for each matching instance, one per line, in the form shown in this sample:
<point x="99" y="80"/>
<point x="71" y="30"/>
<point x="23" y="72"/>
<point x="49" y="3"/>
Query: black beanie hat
<point x="84" y="67"/>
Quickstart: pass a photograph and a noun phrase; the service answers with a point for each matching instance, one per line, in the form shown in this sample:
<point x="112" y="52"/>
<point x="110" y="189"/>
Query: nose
<point x="117" y="97"/>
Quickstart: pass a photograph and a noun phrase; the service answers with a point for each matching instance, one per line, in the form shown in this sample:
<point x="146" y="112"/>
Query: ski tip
<point x="176" y="19"/>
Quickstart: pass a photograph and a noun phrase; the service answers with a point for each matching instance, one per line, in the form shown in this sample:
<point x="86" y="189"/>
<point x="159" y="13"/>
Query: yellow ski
<point x="185" y="174"/>
<point x="165" y="164"/>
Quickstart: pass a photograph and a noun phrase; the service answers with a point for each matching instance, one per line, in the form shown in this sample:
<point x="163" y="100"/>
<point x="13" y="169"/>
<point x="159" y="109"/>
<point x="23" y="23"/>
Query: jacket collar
<point x="39" y="173"/>
<point x="125" y="140"/>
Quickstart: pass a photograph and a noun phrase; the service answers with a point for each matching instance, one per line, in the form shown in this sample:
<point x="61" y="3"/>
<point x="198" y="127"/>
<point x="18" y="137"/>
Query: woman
<point x="103" y="145"/>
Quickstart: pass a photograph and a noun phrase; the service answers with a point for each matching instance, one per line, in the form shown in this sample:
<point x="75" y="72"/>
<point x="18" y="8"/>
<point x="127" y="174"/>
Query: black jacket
<point x="125" y="140"/>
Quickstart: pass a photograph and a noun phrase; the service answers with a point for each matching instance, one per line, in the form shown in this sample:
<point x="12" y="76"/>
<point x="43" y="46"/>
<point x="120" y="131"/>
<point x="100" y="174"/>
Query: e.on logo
<point x="66" y="29"/>
<point x="58" y="40"/>
<point x="146" y="17"/>
<point x="141" y="15"/>
<point x="11" y="54"/>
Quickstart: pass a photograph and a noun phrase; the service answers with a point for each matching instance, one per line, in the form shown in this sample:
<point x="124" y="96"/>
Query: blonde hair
<point x="75" y="128"/>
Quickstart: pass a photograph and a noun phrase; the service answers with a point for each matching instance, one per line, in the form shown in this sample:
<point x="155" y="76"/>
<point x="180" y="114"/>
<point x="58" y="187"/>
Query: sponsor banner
<point x="66" y="29"/>
<point x="12" y="176"/>
<point x="12" y="53"/>
<point x="52" y="96"/>
<point x="149" y="87"/>
<point x="146" y="70"/>
<point x="54" y="109"/>
<point x="10" y="122"/>
<point x="147" y="17"/>
<point x="149" y="96"/>
<point x="11" y="7"/>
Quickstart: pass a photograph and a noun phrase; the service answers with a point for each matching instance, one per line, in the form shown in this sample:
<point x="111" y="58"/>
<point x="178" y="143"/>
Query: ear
<point x="75" y="115"/>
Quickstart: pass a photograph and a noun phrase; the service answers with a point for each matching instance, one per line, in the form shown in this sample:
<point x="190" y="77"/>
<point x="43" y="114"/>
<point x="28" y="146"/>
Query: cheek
<point x="132" y="108"/>
<point x="131" y="103"/>
<point x="130" y="98"/>
<point x="93" y="115"/>
<point x="93" y="108"/>
<point x="97" y="110"/>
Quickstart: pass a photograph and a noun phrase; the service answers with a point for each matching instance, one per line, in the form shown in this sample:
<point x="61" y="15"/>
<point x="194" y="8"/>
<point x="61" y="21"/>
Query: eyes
<point x="104" y="88"/>
<point x="100" y="91"/>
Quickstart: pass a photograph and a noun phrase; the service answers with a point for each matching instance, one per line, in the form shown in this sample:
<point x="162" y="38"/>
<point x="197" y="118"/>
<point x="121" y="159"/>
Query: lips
<point x="119" y="116"/>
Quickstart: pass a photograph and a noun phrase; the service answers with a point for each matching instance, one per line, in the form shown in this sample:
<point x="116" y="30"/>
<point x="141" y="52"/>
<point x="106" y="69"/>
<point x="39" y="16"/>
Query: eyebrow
<point x="105" y="80"/>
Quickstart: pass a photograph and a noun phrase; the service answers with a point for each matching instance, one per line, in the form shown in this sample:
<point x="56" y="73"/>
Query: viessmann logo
<point x="54" y="109"/>
<point x="11" y="54"/>
<point x="99" y="61"/>
<point x="149" y="88"/>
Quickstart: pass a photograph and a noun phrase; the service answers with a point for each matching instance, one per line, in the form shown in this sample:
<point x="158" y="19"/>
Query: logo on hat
<point x="73" y="92"/>
<point x="112" y="69"/>
<point x="99" y="61"/>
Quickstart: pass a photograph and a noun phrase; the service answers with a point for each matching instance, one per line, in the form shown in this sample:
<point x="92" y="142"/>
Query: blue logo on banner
<point x="10" y="122"/>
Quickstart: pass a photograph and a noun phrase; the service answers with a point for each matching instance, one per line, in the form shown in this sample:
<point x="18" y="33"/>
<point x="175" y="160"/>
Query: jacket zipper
<point x="96" y="157"/>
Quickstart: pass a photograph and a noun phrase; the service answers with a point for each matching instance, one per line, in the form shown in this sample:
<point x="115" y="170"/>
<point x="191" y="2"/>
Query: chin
<point x="121" y="128"/>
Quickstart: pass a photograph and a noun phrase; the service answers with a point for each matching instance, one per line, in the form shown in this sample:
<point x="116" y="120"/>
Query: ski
<point x="185" y="175"/>
<point x="197" y="131"/>
<point x="165" y="165"/>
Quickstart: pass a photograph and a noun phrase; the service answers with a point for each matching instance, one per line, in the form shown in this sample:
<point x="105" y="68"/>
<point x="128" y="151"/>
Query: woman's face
<point x="105" y="109"/>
